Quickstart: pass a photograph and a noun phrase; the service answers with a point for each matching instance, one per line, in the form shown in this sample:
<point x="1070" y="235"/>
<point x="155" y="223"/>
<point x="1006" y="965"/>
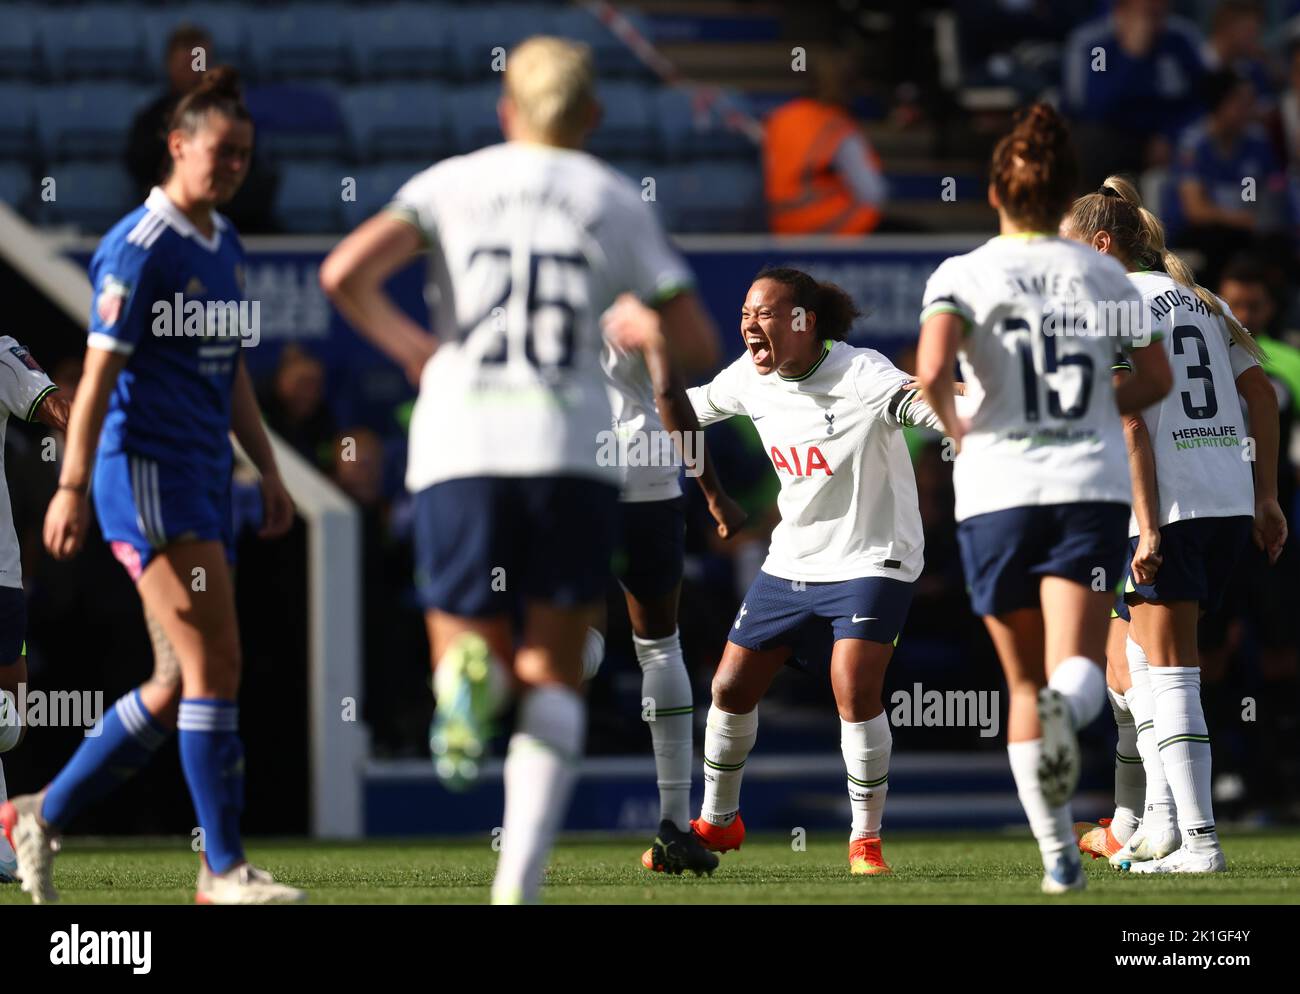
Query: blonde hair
<point x="1140" y="238"/>
<point x="551" y="82"/>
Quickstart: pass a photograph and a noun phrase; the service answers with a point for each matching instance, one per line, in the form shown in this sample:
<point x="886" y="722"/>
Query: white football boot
<point x="243" y="884"/>
<point x="1065" y="875"/>
<point x="1145" y="847"/>
<point x="1058" y="768"/>
<point x="35" y="844"/>
<point x="1184" y="860"/>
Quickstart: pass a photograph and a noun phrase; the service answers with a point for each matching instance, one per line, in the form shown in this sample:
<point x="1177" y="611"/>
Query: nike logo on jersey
<point x="743" y="611"/>
<point x="858" y="621"/>
<point x="757" y="417"/>
<point x="812" y="462"/>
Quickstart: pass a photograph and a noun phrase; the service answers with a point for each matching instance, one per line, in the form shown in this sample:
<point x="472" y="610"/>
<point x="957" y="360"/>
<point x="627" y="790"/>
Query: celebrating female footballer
<point x="1192" y="519"/>
<point x="843" y="559"/>
<point x="1041" y="477"/>
<point x="162" y="486"/>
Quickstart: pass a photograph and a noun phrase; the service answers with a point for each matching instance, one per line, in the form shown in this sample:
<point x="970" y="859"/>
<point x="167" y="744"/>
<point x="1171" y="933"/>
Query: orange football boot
<point x="719" y="838"/>
<point x="1097" y="841"/>
<point x="865" y="859"/>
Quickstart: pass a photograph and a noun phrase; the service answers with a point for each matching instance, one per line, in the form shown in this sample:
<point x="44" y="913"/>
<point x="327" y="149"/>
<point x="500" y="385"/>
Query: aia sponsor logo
<point x="812" y="461"/>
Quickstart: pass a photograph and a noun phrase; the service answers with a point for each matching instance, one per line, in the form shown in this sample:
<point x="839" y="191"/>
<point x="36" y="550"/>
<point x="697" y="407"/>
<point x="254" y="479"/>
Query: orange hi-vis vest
<point x="805" y="195"/>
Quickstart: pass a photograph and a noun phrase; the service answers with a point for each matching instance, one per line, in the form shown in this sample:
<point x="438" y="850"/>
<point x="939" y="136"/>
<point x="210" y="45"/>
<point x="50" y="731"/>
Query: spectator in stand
<point x="1129" y="86"/>
<point x="186" y="56"/>
<point x="1287" y="120"/>
<point x="295" y="407"/>
<point x="822" y="176"/>
<point x="1227" y="189"/>
<point x="1234" y="43"/>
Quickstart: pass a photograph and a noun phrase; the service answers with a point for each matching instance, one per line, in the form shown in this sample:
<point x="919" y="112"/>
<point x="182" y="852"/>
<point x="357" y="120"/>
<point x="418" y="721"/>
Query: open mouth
<point x="759" y="347"/>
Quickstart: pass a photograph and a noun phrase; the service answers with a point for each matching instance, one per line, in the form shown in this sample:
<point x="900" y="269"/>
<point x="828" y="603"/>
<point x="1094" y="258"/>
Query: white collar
<point x="161" y="204"/>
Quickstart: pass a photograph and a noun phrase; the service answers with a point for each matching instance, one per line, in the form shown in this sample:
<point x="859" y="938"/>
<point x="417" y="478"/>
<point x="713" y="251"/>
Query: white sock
<point x="1052" y="827"/>
<point x="866" y="746"/>
<point x="727" y="741"/>
<point x="667" y="686"/>
<point x="1083" y="684"/>
<point x="593" y="654"/>
<point x="1184" y="744"/>
<point x="540" y="771"/>
<point x="1130" y="781"/>
<point x="1158" y="809"/>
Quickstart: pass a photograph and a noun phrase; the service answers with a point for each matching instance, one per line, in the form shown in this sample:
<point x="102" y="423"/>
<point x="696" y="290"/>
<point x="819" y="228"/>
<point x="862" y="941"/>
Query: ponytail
<point x="1139" y="238"/>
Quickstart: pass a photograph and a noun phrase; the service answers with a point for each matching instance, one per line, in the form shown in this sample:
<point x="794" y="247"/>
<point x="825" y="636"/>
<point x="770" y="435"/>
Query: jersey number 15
<point x="1031" y="376"/>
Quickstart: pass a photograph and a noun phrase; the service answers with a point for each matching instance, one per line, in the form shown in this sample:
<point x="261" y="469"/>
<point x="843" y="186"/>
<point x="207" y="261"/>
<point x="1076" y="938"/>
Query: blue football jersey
<point x="171" y="300"/>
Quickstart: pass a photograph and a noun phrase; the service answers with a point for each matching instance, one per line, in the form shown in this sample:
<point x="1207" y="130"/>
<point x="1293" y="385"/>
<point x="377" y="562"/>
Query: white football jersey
<point x="649" y="457"/>
<point x="1037" y="358"/>
<point x="848" y="494"/>
<point x="1198" y="433"/>
<point x="529" y="244"/>
<point x="23" y="385"/>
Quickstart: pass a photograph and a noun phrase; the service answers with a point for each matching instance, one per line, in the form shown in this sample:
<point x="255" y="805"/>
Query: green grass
<point x="969" y="868"/>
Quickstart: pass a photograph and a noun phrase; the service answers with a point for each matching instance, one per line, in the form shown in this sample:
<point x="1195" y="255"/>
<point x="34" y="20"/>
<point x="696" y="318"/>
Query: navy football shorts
<point x="651" y="546"/>
<point x="1198" y="557"/>
<point x="485" y="544"/>
<point x="1005" y="554"/>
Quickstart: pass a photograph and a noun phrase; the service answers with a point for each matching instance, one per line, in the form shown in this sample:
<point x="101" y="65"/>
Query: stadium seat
<point x="87" y="122"/>
<point x="94" y="40"/>
<point x="401" y="41"/>
<point x="19" y="44"/>
<point x="309" y="196"/>
<point x="612" y="57"/>
<point x="627" y="121"/>
<point x="297" y="42"/>
<point x="296" y="121"/>
<point x="376" y="186"/>
<point x="472" y="115"/>
<point x="93" y="196"/>
<point x="397" y="121"/>
<point x="16" y="186"/>
<point x="714" y="197"/>
<point x="224" y="22"/>
<point x="689" y="130"/>
<point x="476" y="32"/>
<point x="17" y="103"/>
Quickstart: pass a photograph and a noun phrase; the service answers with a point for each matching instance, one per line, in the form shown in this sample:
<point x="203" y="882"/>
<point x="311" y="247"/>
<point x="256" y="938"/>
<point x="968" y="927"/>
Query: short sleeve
<point x="1122" y="314"/>
<point x="641" y="258"/>
<point x="943" y="294"/>
<point x="719" y="399"/>
<point x="23" y="384"/>
<point x="415" y="203"/>
<point x="1238" y="358"/>
<point x="883" y="391"/>
<point x="126" y="285"/>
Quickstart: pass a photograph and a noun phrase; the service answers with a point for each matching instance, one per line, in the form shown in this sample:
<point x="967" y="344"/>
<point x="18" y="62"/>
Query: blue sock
<point x="212" y="756"/>
<point x="128" y="737"/>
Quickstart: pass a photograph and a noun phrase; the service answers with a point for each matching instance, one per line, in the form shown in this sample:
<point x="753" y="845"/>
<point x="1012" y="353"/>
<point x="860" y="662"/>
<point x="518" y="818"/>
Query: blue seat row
<point x="295" y="40"/>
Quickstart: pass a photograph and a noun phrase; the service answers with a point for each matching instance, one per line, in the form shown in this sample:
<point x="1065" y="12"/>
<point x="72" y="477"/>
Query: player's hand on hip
<point x="1270" y="529"/>
<point x="729" y="515"/>
<point x="65" y="523"/>
<point x="1147" y="558"/>
<point x="277" y="507"/>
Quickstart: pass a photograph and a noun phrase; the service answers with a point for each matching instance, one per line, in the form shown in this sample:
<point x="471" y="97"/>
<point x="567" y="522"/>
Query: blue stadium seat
<point x="94" y="40"/>
<point x="87" y="122"/>
<point x="300" y="41"/>
<point x="397" y="121"/>
<point x="93" y="196"/>
<point x="309" y="196"/>
<point x="627" y="124"/>
<point x="224" y="22"/>
<point x="19" y="44"/>
<point x="16" y="186"/>
<point x="401" y="41"/>
<point x="691" y="133"/>
<point x="476" y="32"/>
<point x="17" y="115"/>
<point x="711" y="197"/>
<point x="635" y="169"/>
<point x="472" y="115"/>
<point x="376" y="186"/>
<point x="612" y="57"/>
<point x="296" y="121"/>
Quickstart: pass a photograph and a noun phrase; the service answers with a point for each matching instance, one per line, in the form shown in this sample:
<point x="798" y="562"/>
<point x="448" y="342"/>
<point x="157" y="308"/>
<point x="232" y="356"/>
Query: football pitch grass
<point x="967" y="868"/>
